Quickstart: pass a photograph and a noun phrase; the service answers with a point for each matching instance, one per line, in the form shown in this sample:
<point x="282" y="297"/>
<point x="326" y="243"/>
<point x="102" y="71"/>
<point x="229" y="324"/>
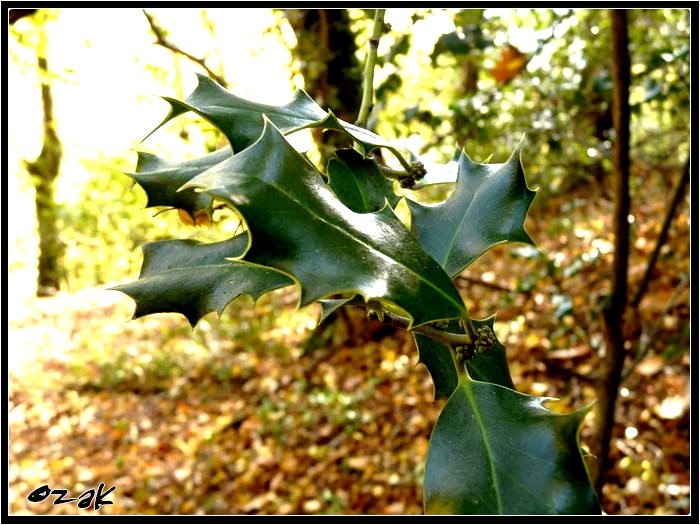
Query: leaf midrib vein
<point x="487" y="446"/>
<point x="458" y="229"/>
<point x="360" y="241"/>
<point x="277" y="110"/>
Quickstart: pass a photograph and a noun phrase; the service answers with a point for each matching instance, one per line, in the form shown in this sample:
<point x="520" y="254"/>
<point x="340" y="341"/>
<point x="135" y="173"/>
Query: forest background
<point x="258" y="411"/>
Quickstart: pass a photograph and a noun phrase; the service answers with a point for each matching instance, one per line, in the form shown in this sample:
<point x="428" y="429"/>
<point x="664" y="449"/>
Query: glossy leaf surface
<point x="194" y="279"/>
<point x="491" y="366"/>
<point x="437" y="358"/>
<point x="300" y="227"/>
<point x="161" y="180"/>
<point x="359" y="183"/>
<point x="241" y="120"/>
<point x="488" y="207"/>
<point x="497" y="451"/>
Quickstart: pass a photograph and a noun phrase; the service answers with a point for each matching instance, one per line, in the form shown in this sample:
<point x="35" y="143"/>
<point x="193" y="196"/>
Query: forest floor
<point x="237" y="417"/>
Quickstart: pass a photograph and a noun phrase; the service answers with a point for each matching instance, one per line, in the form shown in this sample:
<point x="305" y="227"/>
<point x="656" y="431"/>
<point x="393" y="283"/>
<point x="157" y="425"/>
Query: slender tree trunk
<point x="332" y="74"/>
<point x="44" y="171"/>
<point x="613" y="360"/>
<point x="678" y="194"/>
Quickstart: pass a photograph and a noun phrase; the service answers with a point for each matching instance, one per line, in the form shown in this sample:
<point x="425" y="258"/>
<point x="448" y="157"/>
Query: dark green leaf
<point x="437" y="358"/>
<point x="358" y="183"/>
<point x="241" y="120"/>
<point x="193" y="279"/>
<point x="328" y="306"/>
<point x="654" y="90"/>
<point x="497" y="451"/>
<point x="301" y="228"/>
<point x="468" y="39"/>
<point x="162" y="179"/>
<point x="454" y="43"/>
<point x="401" y="46"/>
<point x="488" y="207"/>
<point x="364" y="140"/>
<point x="492" y="366"/>
<point x="390" y="85"/>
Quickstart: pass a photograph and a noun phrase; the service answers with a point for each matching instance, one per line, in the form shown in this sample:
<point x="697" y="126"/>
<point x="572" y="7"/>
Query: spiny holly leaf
<point x="161" y="180"/>
<point x="497" y="451"/>
<point x="488" y="207"/>
<point x="193" y="279"/>
<point x="300" y="227"/>
<point x="491" y="366"/>
<point x="241" y="120"/>
<point x="324" y="332"/>
<point x="359" y="183"/>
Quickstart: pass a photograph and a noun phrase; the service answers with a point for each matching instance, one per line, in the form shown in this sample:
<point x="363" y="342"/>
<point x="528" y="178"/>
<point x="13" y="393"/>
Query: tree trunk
<point x="611" y="367"/>
<point x="44" y="171"/>
<point x="332" y="74"/>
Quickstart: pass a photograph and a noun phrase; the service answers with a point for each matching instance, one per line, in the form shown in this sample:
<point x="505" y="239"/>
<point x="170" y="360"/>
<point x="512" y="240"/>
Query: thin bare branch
<point x="162" y="40"/>
<point x="678" y="194"/>
<point x="647" y="340"/>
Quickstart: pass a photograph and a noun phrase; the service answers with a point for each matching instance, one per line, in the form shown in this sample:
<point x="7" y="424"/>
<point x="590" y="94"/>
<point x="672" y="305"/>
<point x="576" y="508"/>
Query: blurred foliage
<point x="561" y="100"/>
<point x="111" y="214"/>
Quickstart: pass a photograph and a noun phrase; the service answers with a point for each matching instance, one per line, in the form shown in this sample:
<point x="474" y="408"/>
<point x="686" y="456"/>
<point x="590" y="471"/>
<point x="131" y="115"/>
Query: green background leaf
<point x="488" y="207"/>
<point x="497" y="451"/>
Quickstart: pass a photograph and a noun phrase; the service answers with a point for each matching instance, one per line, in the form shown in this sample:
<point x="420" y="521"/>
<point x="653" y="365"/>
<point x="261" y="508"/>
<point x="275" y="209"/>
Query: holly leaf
<point x="328" y="306"/>
<point x="497" y="451"/>
<point x="364" y="140"/>
<point x="359" y="183"/>
<point x="488" y="207"/>
<point x="437" y="358"/>
<point x="161" y="180"/>
<point x="491" y="366"/>
<point x="191" y="278"/>
<point x="241" y="120"/>
<point x="300" y="227"/>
